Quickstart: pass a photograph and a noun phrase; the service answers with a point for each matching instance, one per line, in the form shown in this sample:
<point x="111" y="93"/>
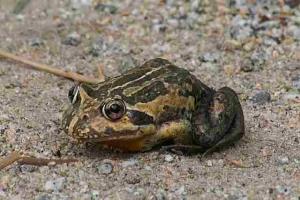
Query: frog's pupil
<point x="115" y="108"/>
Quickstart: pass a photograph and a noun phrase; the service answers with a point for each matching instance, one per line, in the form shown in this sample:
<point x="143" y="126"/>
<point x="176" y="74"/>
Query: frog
<point x="155" y="104"/>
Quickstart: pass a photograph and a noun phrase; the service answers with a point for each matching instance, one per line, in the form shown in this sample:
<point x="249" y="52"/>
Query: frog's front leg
<point x="222" y="124"/>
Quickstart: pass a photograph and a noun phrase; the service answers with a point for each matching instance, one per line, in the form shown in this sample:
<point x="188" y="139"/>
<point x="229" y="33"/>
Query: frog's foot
<point x="225" y="123"/>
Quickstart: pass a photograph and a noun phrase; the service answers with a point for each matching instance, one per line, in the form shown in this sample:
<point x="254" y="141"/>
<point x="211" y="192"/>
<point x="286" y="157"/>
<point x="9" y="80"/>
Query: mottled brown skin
<point x="164" y="103"/>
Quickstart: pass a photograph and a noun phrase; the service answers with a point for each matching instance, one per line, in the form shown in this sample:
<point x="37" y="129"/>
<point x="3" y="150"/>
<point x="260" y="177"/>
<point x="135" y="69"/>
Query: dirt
<point x="240" y="45"/>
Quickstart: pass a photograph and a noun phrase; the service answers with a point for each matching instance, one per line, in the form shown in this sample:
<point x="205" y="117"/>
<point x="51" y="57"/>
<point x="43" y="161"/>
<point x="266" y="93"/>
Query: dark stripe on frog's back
<point x="134" y="74"/>
<point x="145" y="93"/>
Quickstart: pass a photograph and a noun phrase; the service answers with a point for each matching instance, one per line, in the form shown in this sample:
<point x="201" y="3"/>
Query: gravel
<point x="296" y="82"/>
<point x="72" y="39"/>
<point x="169" y="158"/>
<point x="129" y="163"/>
<point x="55" y="185"/>
<point x="239" y="43"/>
<point x="105" y="168"/>
<point x="283" y="160"/>
<point x="261" y="97"/>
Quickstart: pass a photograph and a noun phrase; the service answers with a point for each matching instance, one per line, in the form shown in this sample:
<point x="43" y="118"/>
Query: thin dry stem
<point x="29" y="160"/>
<point x="52" y="70"/>
<point x="10" y="159"/>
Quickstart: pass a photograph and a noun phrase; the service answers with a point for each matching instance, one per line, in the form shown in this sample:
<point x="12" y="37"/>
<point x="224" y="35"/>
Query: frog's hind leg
<point x="224" y="124"/>
<point x="235" y="132"/>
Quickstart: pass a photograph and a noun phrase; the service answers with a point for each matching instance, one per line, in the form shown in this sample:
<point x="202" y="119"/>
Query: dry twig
<point x="29" y="160"/>
<point x="52" y="70"/>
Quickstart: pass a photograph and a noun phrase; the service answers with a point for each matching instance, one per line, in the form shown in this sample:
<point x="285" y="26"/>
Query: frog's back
<point x="186" y="84"/>
<point x="154" y="78"/>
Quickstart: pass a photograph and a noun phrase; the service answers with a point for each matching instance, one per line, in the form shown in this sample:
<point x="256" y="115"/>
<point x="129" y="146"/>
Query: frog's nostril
<point x="85" y="117"/>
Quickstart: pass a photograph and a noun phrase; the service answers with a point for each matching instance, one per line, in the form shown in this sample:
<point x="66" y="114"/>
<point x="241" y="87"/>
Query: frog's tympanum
<point x="154" y="104"/>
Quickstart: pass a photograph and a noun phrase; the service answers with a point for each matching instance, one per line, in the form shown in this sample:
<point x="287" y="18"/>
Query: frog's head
<point x="98" y="116"/>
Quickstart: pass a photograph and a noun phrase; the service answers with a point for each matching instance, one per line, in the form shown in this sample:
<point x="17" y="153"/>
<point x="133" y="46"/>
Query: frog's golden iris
<point x="152" y="104"/>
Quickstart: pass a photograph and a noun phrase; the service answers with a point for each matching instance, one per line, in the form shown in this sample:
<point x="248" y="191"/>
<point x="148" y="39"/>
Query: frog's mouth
<point x="124" y="135"/>
<point x="115" y="138"/>
<point x="125" y="140"/>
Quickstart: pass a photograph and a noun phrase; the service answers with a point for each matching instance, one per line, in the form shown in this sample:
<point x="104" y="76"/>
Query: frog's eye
<point x="73" y="94"/>
<point x="114" y="109"/>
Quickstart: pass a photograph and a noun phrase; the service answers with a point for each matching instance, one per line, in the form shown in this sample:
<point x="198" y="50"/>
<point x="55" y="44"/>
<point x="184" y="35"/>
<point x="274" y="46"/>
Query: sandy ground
<point x="241" y="44"/>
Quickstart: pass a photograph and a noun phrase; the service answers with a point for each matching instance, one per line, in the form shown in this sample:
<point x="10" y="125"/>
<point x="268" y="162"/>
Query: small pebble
<point x="4" y="182"/>
<point x="72" y="39"/>
<point x="296" y="82"/>
<point x="27" y="168"/>
<point x="220" y="162"/>
<point x="78" y="4"/>
<point x="258" y="58"/>
<point x="210" y="57"/>
<point x="173" y="22"/>
<point x="55" y="185"/>
<point x="249" y="46"/>
<point x="35" y="42"/>
<point x="132" y="178"/>
<point x="232" y="45"/>
<point x="261" y="97"/>
<point x="292" y="3"/>
<point x="105" y="168"/>
<point x="159" y="28"/>
<point x="209" y="163"/>
<point x="128" y="163"/>
<point x="240" y="28"/>
<point x="247" y="66"/>
<point x="107" y="8"/>
<point x="148" y="168"/>
<point x="292" y="96"/>
<point x="161" y="194"/>
<point x="169" y="158"/>
<point x="181" y="191"/>
<point x="282" y="189"/>
<point x="44" y="197"/>
<point x="283" y="160"/>
<point x="95" y="195"/>
<point x="139" y="192"/>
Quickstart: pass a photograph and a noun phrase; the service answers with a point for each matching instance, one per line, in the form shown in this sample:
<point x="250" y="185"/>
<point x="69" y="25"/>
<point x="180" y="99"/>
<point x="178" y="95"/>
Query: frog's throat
<point x="139" y="133"/>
